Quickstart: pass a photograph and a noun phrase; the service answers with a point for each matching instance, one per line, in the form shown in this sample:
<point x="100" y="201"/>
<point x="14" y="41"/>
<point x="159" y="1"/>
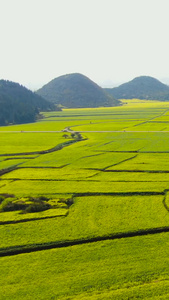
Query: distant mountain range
<point x="75" y="91"/>
<point x="143" y="87"/>
<point x="20" y="105"/>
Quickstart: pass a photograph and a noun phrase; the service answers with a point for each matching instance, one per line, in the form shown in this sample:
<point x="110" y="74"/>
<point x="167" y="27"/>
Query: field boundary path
<point x="47" y="246"/>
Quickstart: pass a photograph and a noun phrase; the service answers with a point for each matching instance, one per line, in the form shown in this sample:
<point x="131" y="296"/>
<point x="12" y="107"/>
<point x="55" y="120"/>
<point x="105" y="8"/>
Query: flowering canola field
<point x="105" y="235"/>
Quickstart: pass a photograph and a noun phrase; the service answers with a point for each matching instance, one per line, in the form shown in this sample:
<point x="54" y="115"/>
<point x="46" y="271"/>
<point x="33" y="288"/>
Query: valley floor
<point x="106" y="230"/>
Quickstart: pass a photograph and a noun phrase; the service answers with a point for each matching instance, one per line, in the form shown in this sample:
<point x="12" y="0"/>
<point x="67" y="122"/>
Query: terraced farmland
<point x="96" y="222"/>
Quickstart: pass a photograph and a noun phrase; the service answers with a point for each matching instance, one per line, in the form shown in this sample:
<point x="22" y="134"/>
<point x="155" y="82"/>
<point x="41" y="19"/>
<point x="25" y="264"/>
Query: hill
<point x="20" y="105"/>
<point x="76" y="90"/>
<point x="143" y="87"/>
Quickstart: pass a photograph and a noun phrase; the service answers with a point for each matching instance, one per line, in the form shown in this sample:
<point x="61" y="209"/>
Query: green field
<point x="106" y="230"/>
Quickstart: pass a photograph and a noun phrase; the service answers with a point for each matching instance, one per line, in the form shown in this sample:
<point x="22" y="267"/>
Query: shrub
<point x="7" y="205"/>
<point x="11" y="204"/>
<point x="43" y="198"/>
<point x="31" y="204"/>
<point x="37" y="206"/>
<point x="68" y="201"/>
<point x="1" y="199"/>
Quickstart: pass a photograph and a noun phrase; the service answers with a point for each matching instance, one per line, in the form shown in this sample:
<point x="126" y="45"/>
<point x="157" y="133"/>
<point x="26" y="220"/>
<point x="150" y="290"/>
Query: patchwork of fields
<point x="106" y="233"/>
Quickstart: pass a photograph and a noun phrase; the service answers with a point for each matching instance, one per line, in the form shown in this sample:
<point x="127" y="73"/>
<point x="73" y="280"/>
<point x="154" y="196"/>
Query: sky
<point x="109" y="41"/>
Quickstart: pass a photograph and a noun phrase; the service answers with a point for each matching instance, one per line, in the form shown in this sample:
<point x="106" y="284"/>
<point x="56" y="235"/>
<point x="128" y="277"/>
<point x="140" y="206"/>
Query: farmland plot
<point x="119" y="269"/>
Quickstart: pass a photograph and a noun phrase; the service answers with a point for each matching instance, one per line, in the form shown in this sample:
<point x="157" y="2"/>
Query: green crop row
<point x="145" y="162"/>
<point x="37" y="187"/>
<point x="15" y="216"/>
<point x="67" y="174"/>
<point x="12" y="143"/>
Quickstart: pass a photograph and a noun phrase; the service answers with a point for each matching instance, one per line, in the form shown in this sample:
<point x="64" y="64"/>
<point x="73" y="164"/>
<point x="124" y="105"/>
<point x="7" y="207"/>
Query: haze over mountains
<point x="143" y="87"/>
<point x="75" y="91"/>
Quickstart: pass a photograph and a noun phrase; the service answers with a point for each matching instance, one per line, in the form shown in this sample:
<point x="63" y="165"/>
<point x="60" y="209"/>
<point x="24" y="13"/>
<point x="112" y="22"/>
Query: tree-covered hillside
<point x="20" y="105"/>
<point x="143" y="87"/>
<point x="76" y="90"/>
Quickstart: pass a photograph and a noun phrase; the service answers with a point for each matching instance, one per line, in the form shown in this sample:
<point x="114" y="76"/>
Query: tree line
<point x="20" y="105"/>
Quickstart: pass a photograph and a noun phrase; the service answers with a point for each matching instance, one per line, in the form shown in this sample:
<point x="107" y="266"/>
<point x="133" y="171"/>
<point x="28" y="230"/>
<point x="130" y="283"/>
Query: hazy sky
<point x="106" y="40"/>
